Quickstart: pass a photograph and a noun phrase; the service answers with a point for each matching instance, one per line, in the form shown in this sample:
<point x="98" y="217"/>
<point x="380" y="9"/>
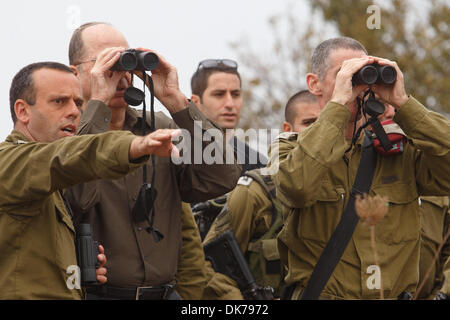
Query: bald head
<point x="90" y="38"/>
<point x="87" y="42"/>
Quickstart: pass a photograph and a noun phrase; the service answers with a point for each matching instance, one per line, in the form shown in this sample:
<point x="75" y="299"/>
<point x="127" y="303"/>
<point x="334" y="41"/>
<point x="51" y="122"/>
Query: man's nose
<point x="73" y="110"/>
<point x="229" y="100"/>
<point x="125" y="81"/>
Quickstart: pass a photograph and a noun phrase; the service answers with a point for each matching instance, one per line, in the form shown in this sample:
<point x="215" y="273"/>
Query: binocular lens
<point x="126" y="62"/>
<point x="388" y="75"/>
<point x="147" y="61"/>
<point x="367" y="75"/>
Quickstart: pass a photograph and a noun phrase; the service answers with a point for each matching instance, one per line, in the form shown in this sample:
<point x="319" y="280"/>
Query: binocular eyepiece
<point x="375" y="73"/>
<point x="132" y="59"/>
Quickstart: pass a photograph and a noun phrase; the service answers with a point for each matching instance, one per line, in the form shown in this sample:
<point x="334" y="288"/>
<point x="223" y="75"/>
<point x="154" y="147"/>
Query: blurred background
<point x="272" y="41"/>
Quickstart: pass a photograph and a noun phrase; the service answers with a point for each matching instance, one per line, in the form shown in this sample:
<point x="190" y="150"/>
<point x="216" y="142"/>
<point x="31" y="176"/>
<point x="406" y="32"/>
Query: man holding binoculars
<point x="140" y="266"/>
<point x="317" y="171"/>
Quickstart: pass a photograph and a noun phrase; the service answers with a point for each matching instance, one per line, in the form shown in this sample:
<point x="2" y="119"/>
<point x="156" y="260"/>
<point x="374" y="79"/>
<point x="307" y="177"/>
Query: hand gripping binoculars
<point x="375" y="74"/>
<point x="132" y="59"/>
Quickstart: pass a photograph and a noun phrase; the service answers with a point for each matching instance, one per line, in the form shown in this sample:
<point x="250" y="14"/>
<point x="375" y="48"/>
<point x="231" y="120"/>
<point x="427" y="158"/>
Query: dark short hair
<point x="199" y="80"/>
<point x="22" y="85"/>
<point x="76" y="45"/>
<point x="290" y="112"/>
<point x="321" y="54"/>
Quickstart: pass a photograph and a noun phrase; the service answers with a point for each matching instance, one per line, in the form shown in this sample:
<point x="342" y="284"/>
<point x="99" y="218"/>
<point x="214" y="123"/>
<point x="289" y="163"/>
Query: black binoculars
<point x="375" y="73"/>
<point x="132" y="59"/>
<point x="87" y="251"/>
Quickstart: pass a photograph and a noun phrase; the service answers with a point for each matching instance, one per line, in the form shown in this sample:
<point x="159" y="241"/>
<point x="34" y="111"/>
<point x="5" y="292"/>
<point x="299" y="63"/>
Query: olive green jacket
<point x="313" y="179"/>
<point x="36" y="231"/>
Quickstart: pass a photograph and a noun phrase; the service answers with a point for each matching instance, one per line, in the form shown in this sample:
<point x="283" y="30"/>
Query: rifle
<point x="226" y="257"/>
<point x="205" y="213"/>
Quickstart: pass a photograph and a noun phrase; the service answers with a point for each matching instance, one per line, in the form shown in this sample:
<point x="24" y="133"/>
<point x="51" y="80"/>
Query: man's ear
<point x="22" y="110"/>
<point x="196" y="99"/>
<point x="313" y="83"/>
<point x="287" y="127"/>
<point x="74" y="69"/>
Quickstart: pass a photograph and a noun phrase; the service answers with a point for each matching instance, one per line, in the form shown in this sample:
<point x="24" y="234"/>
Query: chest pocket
<point x="318" y="221"/>
<point x="432" y="217"/>
<point x="401" y="222"/>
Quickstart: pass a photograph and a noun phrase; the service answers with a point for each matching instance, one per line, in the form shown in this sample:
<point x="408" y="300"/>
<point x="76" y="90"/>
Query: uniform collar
<point x="17" y="137"/>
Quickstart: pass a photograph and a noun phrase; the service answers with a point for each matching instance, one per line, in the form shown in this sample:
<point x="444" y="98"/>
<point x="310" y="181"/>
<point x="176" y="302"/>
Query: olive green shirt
<point x="313" y="180"/>
<point x="36" y="231"/>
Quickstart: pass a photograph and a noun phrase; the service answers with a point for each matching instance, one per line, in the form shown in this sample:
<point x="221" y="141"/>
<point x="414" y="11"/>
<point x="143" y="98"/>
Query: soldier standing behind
<point x="254" y="215"/>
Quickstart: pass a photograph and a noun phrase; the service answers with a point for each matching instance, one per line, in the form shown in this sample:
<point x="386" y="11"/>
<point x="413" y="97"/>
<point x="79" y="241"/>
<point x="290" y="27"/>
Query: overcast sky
<point x="184" y="32"/>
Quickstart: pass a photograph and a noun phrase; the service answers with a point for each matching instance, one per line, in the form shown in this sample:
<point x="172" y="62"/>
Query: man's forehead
<point x="338" y="56"/>
<point x="305" y="107"/>
<point x="99" y="37"/>
<point x="58" y="81"/>
<point x="223" y="80"/>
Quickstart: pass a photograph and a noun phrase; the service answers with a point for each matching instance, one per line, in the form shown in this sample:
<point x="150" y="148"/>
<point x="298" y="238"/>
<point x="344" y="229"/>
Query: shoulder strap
<point x="269" y="187"/>
<point x="343" y="233"/>
<point x="265" y="181"/>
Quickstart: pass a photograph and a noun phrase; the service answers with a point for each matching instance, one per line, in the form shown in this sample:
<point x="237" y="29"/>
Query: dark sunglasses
<point x="217" y="63"/>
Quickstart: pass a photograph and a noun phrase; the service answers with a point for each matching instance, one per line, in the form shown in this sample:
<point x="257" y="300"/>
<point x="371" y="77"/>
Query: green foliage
<point x="414" y="33"/>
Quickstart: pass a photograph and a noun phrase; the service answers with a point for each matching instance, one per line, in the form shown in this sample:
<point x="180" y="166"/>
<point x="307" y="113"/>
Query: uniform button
<point x="139" y="229"/>
<point x="106" y="119"/>
<point x="134" y="198"/>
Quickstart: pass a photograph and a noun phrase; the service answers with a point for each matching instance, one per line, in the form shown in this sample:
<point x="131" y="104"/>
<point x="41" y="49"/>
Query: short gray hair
<point x="321" y="54"/>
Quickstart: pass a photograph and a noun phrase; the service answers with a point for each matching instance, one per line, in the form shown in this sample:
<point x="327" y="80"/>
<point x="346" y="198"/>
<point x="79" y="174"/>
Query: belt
<point x="138" y="293"/>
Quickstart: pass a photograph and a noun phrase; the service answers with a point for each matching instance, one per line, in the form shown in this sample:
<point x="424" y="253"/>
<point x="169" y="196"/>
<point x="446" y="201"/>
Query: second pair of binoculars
<point x="132" y="59"/>
<point x="375" y="73"/>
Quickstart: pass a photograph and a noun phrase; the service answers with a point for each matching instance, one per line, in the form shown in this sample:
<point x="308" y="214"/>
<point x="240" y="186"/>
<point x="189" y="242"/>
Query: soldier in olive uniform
<point x="253" y="214"/>
<point x="434" y="222"/>
<point x="37" y="237"/>
<point x="138" y="265"/>
<point x="314" y="176"/>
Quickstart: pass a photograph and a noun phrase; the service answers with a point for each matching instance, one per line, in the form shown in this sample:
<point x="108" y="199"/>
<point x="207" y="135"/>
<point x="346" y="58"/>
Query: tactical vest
<point x="262" y="253"/>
